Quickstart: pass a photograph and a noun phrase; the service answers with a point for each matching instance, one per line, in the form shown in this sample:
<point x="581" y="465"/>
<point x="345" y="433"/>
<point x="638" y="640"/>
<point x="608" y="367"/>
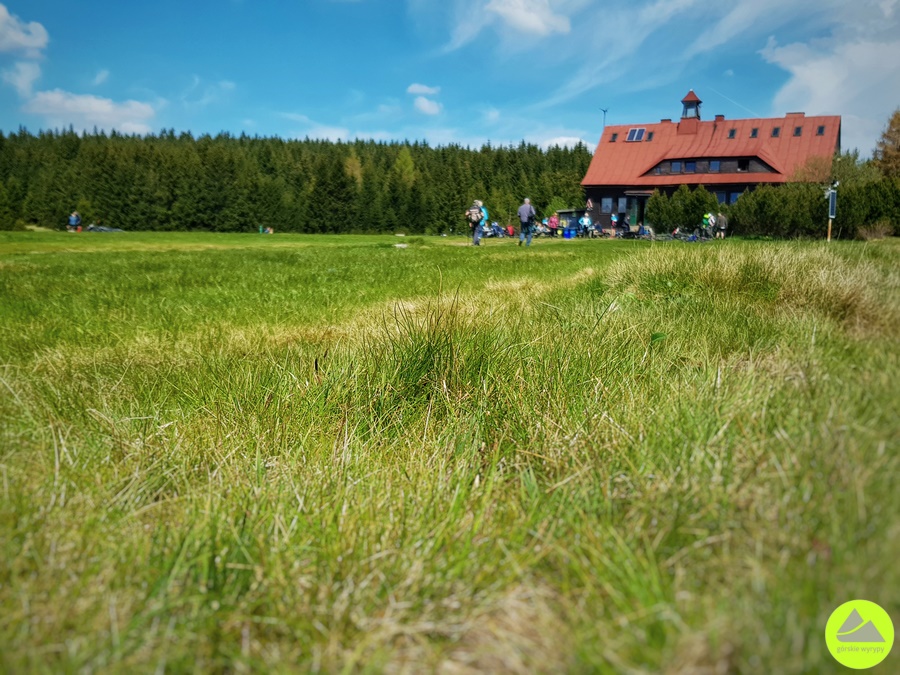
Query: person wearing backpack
<point x="474" y="216"/>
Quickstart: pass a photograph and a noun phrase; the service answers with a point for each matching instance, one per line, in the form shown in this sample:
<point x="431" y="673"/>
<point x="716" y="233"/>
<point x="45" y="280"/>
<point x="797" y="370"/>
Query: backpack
<point x="473" y="215"/>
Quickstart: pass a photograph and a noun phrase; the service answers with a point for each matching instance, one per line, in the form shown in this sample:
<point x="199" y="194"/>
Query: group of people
<point x="477" y="217"/>
<point x="715" y="224"/>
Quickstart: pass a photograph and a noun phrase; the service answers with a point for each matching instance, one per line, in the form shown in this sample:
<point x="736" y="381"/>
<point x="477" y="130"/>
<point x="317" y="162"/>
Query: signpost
<point x="832" y="208"/>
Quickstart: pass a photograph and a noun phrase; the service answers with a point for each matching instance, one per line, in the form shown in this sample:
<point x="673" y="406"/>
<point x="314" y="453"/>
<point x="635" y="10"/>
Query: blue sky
<point x="443" y="71"/>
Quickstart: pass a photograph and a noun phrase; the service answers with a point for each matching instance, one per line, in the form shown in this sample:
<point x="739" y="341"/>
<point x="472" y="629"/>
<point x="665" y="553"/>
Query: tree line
<point x="228" y="183"/>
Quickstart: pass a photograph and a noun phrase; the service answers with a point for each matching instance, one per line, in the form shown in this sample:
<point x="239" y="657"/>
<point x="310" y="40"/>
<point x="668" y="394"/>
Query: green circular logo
<point x="859" y="634"/>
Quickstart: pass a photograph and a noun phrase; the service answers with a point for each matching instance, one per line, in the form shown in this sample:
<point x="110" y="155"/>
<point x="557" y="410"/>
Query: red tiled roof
<point x="691" y="97"/>
<point x="630" y="163"/>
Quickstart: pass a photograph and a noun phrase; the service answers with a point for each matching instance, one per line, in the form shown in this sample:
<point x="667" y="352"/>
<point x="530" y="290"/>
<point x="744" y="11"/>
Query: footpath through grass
<point x="331" y="454"/>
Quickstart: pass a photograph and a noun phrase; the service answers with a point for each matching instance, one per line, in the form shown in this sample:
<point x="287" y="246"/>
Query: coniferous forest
<point x="225" y="183"/>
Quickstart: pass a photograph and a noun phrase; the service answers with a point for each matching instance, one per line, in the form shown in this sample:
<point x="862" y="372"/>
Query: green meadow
<point x="244" y="453"/>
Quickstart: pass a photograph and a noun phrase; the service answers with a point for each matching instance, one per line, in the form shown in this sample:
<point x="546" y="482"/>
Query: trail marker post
<point x="832" y="208"/>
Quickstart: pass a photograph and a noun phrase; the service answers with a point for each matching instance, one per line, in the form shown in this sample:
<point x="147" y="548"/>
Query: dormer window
<point x="635" y="135"/>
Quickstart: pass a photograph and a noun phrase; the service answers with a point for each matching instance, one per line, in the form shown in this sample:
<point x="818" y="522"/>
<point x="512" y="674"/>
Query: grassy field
<point x="245" y="453"/>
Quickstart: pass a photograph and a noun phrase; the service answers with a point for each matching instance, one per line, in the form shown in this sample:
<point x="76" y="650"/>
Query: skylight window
<point x="776" y="132"/>
<point x="649" y="136"/>
<point x="635" y="134"/>
<point x="614" y="138"/>
<point x="820" y="131"/>
<point x="731" y="133"/>
<point x="754" y="132"/>
<point x="798" y="131"/>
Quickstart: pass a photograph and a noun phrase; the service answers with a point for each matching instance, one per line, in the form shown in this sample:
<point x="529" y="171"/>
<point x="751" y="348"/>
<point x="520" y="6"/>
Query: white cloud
<point x="423" y="89"/>
<point x="562" y="142"/>
<point x="535" y="17"/>
<point x="22" y="77"/>
<point x="101" y="77"/>
<point x="511" y="18"/>
<point x="199" y="95"/>
<point x="427" y="106"/>
<point x="613" y="59"/>
<point x="296" y="117"/>
<point x="17" y="36"/>
<point x="858" y="80"/>
<point x="83" y="111"/>
<point x="325" y="132"/>
<point x="853" y="71"/>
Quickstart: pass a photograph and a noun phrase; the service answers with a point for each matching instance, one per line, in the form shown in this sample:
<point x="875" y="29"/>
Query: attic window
<point x="743" y="165"/>
<point x="820" y="131"/>
<point x="676" y="167"/>
<point x="798" y="131"/>
<point x="754" y="132"/>
<point x="649" y="136"/>
<point x="690" y="167"/>
<point x="714" y="165"/>
<point x="776" y="132"/>
<point x="635" y="134"/>
<point x="614" y="138"/>
<point x="731" y="133"/>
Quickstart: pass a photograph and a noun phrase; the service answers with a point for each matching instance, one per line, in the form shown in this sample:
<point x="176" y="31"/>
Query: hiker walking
<point x="474" y="216"/>
<point x="526" y="222"/>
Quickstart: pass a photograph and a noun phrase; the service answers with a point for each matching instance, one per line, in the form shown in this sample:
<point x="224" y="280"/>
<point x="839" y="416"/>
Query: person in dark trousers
<point x="526" y="222"/>
<point x="473" y="217"/>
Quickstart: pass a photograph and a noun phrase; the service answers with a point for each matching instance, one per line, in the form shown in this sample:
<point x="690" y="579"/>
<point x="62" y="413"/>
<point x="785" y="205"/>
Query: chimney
<point x="719" y="118"/>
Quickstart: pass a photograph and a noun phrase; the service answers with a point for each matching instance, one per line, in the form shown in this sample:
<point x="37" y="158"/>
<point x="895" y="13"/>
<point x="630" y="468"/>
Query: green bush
<point x="685" y="208"/>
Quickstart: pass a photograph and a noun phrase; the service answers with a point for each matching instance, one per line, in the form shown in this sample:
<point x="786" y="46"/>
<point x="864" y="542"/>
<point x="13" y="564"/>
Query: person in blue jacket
<point x="74" y="222"/>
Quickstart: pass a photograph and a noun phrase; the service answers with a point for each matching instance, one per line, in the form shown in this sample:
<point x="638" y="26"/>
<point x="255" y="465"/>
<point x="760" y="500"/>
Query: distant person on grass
<point x="585" y="224"/>
<point x="74" y="222"/>
<point x="473" y="217"/>
<point x="721" y="225"/>
<point x="553" y="224"/>
<point x="526" y="222"/>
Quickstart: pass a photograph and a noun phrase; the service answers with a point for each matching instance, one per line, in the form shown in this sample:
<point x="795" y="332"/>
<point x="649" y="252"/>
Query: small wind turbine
<point x="605" y="110"/>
